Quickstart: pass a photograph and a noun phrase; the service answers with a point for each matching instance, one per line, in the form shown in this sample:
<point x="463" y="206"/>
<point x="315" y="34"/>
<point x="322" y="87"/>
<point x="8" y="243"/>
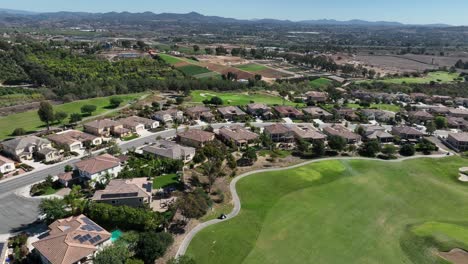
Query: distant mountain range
<point x="127" y="17"/>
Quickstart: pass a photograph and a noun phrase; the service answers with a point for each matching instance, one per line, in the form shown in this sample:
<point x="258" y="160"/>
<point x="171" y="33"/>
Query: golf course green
<point x="344" y="211"/>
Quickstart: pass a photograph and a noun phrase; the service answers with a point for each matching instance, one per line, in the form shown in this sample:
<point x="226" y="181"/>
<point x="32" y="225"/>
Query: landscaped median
<point x="370" y="211"/>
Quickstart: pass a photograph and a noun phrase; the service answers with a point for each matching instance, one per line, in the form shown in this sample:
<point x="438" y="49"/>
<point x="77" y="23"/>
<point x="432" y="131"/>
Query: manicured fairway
<point x="438" y="77"/>
<point x="30" y="120"/>
<point x="348" y="211"/>
<point x="239" y="98"/>
<point x="320" y="83"/>
<point x="387" y="107"/>
<point x="252" y="67"/>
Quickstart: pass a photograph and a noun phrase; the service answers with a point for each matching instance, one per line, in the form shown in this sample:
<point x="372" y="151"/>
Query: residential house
<point x="458" y="123"/>
<point x="419" y="97"/>
<point x="97" y="168"/>
<point x="48" y="155"/>
<point x="348" y="114"/>
<point x="170" y="150"/>
<point x="238" y="135"/>
<point x="307" y="132"/>
<point x="341" y="131"/>
<point x="106" y="128"/>
<point x="288" y="111"/>
<point x="279" y="133"/>
<point x="146" y="122"/>
<point x="378" y="115"/>
<point x="169" y="115"/>
<point x="200" y="113"/>
<point x="441" y="99"/>
<point x="132" y="124"/>
<point x="420" y="116"/>
<point x="68" y="178"/>
<point x="407" y="133"/>
<point x="195" y="138"/>
<point x="377" y="133"/>
<point x="458" y="112"/>
<point x="72" y="240"/>
<point x="439" y="110"/>
<point x="25" y="148"/>
<point x="260" y="110"/>
<point x="317" y="113"/>
<point x="74" y="140"/>
<point x="231" y="112"/>
<point x="134" y="192"/>
<point x="317" y="97"/>
<point x="6" y="165"/>
<point x="458" y="141"/>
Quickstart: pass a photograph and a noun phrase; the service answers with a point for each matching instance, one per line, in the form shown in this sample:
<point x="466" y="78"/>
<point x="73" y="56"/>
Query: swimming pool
<point x="116" y="234"/>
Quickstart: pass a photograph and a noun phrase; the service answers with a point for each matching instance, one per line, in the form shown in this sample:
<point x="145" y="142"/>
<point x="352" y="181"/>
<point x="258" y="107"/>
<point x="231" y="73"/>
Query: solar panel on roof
<point x="87" y="236"/>
<point x="98" y="237"/>
<point x="81" y="239"/>
<point x="99" y="229"/>
<point x="77" y="237"/>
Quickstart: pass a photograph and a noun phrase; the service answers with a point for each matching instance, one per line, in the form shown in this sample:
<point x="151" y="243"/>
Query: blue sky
<point x="407" y="11"/>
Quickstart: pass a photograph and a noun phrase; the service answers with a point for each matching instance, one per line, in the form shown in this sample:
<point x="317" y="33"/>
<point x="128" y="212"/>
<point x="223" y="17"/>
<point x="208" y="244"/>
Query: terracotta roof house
<point x="288" y="111"/>
<point x="200" y="113"/>
<point x="439" y="110"/>
<point x="148" y="123"/>
<point x="170" y="150"/>
<point x="307" y="132"/>
<point x="72" y="240"/>
<point x="169" y="115"/>
<point x="239" y="135"/>
<point x="379" y="133"/>
<point x="97" y="168"/>
<point x="317" y="97"/>
<point x="458" y="112"/>
<point x="341" y="131"/>
<point x="420" y="116"/>
<point x="231" y="112"/>
<point x="441" y="99"/>
<point x="106" y="128"/>
<point x="25" y="148"/>
<point x="195" y="138"/>
<point x="419" y="96"/>
<point x="407" y="133"/>
<point x="74" y="140"/>
<point x="258" y="109"/>
<point x="134" y="192"/>
<point x="279" y="133"/>
<point x="317" y="113"/>
<point x="6" y="165"/>
<point x="457" y="122"/>
<point x="378" y="115"/>
<point x="458" y="141"/>
<point x="348" y="114"/>
<point x="68" y="178"/>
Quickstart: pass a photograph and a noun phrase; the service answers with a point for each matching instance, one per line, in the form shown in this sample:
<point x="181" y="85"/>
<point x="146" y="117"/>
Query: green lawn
<point x="239" y="98"/>
<point x="438" y="77"/>
<point x="192" y="70"/>
<point x="168" y="180"/>
<point x="387" y="107"/>
<point x="348" y="211"/>
<point x="31" y="122"/>
<point x="320" y="83"/>
<point x="251" y="67"/>
<point x="169" y="59"/>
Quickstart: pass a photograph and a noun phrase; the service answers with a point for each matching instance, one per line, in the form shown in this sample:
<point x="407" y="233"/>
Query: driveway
<point x="17" y="212"/>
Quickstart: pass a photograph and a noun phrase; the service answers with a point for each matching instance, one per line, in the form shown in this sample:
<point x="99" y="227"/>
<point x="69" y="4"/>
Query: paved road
<point x="237" y="204"/>
<point x="16" y="211"/>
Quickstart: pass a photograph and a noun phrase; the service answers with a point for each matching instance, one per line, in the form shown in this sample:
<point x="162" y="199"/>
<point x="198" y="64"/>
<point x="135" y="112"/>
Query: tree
<point x="46" y="113"/>
<point x="19" y="132"/>
<point x="194" y="204"/>
<point x="88" y="109"/>
<point x="182" y="260"/>
<point x="75" y="118"/>
<point x="60" y="116"/>
<point x="126" y="44"/>
<point x="179" y="100"/>
<point x="407" y="150"/>
<point x="216" y="100"/>
<point x="115" y="254"/>
<point x="141" y="45"/>
<point x="430" y="127"/>
<point x="152" y="246"/>
<point x="209" y="51"/>
<point x="53" y="209"/>
<point x="318" y="147"/>
<point x="115" y="102"/>
<point x="440" y="122"/>
<point x="389" y="149"/>
<point x="114" y="148"/>
<point x="68" y="168"/>
<point x="369" y="148"/>
<point x="196" y="48"/>
<point x="336" y="143"/>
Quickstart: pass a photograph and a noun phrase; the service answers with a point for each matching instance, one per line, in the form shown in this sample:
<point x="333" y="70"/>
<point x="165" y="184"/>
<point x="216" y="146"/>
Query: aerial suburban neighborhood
<point x="141" y="138"/>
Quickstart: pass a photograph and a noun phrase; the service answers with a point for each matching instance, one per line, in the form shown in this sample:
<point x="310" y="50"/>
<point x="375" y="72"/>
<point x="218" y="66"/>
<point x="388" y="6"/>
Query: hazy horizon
<point x="408" y="12"/>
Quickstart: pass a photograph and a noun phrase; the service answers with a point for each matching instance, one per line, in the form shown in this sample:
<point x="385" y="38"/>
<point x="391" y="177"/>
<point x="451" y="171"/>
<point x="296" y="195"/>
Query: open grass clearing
<point x="346" y="211"/>
<point x="165" y="181"/>
<point x="251" y="67"/>
<point x="192" y="70"/>
<point x="239" y="98"/>
<point x="437" y="77"/>
<point x="320" y="83"/>
<point x="30" y="120"/>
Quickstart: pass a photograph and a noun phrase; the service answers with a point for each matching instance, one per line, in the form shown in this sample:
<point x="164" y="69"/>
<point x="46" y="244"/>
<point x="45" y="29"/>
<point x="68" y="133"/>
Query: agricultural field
<point x="438" y="77"/>
<point x="238" y="98"/>
<point x="344" y="211"/>
<point x="251" y="67"/>
<point x="320" y="83"/>
<point x="30" y="121"/>
<point x="193" y="70"/>
<point x="169" y="59"/>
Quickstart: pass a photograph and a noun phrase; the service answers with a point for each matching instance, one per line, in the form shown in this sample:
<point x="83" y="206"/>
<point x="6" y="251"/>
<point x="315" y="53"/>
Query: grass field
<point x="31" y="122"/>
<point x="169" y="59"/>
<point x="251" y="67"/>
<point x="238" y="98"/>
<point x="164" y="181"/>
<point x="192" y="70"/>
<point x="320" y="83"/>
<point x="438" y="77"/>
<point x="348" y="211"/>
<point x="387" y="107"/>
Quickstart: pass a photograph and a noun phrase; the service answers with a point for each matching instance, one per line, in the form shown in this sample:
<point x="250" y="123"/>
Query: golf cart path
<point x="237" y="204"/>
